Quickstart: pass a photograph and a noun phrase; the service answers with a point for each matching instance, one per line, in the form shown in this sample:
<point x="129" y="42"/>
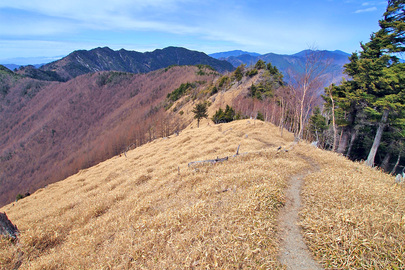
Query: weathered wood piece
<point x="208" y="161"/>
<point x="7" y="228"/>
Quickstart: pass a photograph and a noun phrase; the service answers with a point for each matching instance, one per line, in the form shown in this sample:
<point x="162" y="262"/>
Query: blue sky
<point x="48" y="28"/>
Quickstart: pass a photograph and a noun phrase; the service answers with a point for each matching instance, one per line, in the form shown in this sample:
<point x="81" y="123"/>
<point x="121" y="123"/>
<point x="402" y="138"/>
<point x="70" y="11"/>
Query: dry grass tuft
<point x="354" y="216"/>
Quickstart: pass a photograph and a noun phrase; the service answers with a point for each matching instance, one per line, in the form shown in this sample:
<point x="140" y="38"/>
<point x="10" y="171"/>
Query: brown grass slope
<point x="49" y="131"/>
<point x="150" y="210"/>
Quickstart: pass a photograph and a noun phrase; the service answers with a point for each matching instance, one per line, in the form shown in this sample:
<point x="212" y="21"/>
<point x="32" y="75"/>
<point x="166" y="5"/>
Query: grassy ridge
<point x="139" y="212"/>
<point x="149" y="210"/>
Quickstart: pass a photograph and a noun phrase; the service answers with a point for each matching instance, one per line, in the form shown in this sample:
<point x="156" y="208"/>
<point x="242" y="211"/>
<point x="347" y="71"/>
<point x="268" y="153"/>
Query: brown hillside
<point x="49" y="131"/>
<point x="150" y="210"/>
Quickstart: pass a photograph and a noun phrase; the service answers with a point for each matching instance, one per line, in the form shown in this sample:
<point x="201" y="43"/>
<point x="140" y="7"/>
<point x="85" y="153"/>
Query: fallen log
<point x="7" y="228"/>
<point x="208" y="161"/>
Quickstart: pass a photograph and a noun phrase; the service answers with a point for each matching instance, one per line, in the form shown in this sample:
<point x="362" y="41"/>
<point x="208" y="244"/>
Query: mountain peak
<point x="104" y="59"/>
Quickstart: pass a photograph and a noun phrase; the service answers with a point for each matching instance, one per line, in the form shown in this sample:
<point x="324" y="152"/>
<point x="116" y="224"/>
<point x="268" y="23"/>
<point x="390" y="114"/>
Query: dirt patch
<point x="294" y="254"/>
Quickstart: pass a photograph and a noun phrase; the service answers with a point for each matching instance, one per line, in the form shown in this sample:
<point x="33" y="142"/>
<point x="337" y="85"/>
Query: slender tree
<point x="306" y="87"/>
<point x="200" y="111"/>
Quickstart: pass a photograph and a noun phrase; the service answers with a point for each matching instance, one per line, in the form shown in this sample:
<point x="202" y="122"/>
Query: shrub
<point x="214" y="90"/>
<point x="260" y="116"/>
<point x="260" y="64"/>
<point x="262" y="90"/>
<point x="21" y="196"/>
<point x="226" y="116"/>
<point x="224" y="81"/>
<point x="251" y="72"/>
<point x="238" y="73"/>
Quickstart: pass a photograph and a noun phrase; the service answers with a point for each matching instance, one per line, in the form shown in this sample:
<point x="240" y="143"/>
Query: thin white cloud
<point x="144" y="24"/>
<point x="98" y="15"/>
<point x="371" y="9"/>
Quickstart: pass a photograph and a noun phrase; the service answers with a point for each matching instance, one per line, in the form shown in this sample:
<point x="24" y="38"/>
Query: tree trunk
<point x="377" y="139"/>
<point x="352" y="139"/>
<point x="385" y="163"/>
<point x="282" y="116"/>
<point x="396" y="164"/>
<point x="333" y="120"/>
<point x="301" y="115"/>
<point x="343" y="141"/>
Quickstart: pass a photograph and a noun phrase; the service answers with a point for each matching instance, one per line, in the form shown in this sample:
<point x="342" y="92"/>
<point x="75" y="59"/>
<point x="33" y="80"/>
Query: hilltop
<point x="105" y="59"/>
<point x="150" y="209"/>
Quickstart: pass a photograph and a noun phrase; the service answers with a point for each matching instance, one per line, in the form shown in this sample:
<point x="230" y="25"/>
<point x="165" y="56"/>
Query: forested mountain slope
<point x="49" y="130"/>
<point x="105" y="59"/>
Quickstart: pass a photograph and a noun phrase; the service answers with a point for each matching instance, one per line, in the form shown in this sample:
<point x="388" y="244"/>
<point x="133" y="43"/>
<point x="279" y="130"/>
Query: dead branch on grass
<point x="213" y="161"/>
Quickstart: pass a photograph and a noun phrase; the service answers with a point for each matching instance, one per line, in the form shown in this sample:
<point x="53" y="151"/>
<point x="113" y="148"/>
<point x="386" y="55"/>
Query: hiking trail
<point x="294" y="254"/>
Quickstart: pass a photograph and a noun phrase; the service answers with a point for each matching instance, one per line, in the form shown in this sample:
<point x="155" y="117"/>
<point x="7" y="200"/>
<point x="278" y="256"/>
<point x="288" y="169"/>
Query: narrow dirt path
<point x="294" y="254"/>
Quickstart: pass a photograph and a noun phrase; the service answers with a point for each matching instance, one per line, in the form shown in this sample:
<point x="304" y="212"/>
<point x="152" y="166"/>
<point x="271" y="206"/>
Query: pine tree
<point x="260" y="64"/>
<point x="394" y="25"/>
<point x="200" y="111"/>
<point x="238" y="73"/>
<point x="378" y="79"/>
<point x="375" y="95"/>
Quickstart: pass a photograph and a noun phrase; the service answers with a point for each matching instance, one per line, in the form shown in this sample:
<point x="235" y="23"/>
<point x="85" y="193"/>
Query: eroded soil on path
<point x="294" y="254"/>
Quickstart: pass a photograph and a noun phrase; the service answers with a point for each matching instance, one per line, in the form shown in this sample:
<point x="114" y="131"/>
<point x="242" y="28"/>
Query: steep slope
<point x="104" y="59"/>
<point x="55" y="129"/>
<point x="151" y="210"/>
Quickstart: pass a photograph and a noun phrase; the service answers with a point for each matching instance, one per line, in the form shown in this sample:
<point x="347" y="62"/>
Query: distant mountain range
<point x="235" y="53"/>
<point x="285" y="63"/>
<point x="238" y="57"/>
<point x="17" y="62"/>
<point x="15" y="66"/>
<point x="105" y="59"/>
<point x="295" y="63"/>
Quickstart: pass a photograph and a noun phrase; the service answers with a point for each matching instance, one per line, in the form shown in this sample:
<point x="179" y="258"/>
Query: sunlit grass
<point x="354" y="216"/>
<point x="150" y="210"/>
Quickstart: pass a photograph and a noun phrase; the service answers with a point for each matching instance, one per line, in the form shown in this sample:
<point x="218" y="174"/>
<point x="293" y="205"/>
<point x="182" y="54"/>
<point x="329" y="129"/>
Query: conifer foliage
<point x="373" y="100"/>
<point x="200" y="112"/>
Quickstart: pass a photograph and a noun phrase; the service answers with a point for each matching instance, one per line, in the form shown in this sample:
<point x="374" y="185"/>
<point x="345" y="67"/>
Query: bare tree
<point x="306" y="84"/>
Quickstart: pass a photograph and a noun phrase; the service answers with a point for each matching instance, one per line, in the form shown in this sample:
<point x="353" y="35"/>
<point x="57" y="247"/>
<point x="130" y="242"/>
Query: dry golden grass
<point x="139" y="212"/>
<point x="354" y="216"/>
